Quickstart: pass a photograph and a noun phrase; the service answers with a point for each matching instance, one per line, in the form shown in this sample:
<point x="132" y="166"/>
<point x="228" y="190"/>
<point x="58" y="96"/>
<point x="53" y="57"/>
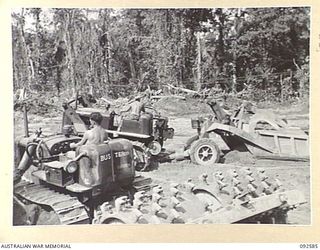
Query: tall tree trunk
<point x="132" y="67"/>
<point x="37" y="61"/>
<point x="199" y="74"/>
<point x="70" y="43"/>
<point x="27" y="62"/>
<point x="107" y="46"/>
<point x="221" y="42"/>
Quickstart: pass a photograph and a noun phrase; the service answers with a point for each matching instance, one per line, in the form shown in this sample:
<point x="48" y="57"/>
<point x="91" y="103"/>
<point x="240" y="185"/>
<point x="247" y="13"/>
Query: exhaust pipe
<point x="25" y="121"/>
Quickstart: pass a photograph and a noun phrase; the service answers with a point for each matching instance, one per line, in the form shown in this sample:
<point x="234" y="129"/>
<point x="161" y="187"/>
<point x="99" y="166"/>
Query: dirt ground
<point x="293" y="175"/>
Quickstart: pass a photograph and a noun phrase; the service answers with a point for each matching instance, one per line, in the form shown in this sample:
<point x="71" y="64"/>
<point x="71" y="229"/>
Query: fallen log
<point x="189" y="91"/>
<point x="169" y="96"/>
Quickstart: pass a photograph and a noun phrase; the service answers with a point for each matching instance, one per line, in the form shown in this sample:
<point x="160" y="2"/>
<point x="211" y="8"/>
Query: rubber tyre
<point x="204" y="152"/>
<point x="155" y="148"/>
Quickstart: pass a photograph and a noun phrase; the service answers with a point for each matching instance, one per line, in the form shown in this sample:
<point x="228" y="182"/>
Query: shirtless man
<point x="94" y="136"/>
<point x="136" y="107"/>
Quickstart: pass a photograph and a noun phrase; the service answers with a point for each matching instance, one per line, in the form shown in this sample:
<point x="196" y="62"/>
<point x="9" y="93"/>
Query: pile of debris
<point x="39" y="102"/>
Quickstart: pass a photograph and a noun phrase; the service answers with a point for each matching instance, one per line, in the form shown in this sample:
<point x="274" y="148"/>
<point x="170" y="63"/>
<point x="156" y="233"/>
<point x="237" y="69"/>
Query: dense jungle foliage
<point x="262" y="53"/>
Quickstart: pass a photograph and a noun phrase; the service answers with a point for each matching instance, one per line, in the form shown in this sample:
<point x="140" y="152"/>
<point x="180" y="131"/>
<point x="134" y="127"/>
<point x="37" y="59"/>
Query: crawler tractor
<point x="147" y="134"/>
<point x="71" y="184"/>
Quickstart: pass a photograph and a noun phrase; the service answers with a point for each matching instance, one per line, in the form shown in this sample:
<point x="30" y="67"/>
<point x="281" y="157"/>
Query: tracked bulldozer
<point x="147" y="134"/>
<point x="70" y="184"/>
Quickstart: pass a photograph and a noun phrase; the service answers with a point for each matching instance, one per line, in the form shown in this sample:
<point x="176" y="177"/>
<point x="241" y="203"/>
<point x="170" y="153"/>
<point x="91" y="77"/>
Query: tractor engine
<point x="106" y="164"/>
<point x="99" y="168"/>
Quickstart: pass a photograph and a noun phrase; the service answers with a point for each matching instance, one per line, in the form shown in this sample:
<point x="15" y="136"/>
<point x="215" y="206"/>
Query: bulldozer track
<point x="68" y="209"/>
<point x="141" y="183"/>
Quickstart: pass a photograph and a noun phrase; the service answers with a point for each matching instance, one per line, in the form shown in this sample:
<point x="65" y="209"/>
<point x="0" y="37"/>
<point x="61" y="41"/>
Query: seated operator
<point x="132" y="111"/>
<point x="136" y="107"/>
<point x="96" y="135"/>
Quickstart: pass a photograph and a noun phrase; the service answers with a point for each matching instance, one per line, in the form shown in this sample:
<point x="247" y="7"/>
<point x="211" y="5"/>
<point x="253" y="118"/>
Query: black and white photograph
<point x="161" y="116"/>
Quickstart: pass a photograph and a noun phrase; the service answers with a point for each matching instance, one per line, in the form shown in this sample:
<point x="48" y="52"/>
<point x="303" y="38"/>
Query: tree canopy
<point x="259" y="51"/>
